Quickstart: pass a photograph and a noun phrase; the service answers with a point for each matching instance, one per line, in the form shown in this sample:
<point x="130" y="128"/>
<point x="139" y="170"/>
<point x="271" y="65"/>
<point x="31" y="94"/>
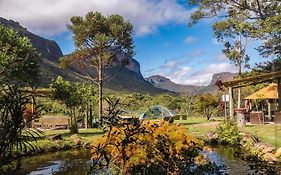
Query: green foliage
<point x="18" y="68"/>
<point x="51" y="106"/>
<point x="14" y="136"/>
<point x="207" y="105"/>
<point x="105" y="35"/>
<point x="77" y="97"/>
<point x="256" y="19"/>
<point x="228" y="132"/>
<point x="99" y="40"/>
<point x="18" y="60"/>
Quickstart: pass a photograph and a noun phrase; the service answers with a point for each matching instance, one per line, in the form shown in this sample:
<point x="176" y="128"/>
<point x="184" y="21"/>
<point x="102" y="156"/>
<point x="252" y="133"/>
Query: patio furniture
<point x="257" y="117"/>
<point x="277" y="118"/>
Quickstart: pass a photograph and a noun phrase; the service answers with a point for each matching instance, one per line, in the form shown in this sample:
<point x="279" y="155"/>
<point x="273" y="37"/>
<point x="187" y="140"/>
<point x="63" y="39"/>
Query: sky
<point x="164" y="44"/>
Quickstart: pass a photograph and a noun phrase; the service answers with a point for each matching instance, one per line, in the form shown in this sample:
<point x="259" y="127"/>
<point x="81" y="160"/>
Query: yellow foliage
<point x="138" y="147"/>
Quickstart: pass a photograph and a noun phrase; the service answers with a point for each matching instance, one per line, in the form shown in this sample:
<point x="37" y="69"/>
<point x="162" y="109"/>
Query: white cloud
<point x="221" y="57"/>
<point x="196" y="53"/>
<point x="170" y="64"/>
<point x="190" y="40"/>
<point x="204" y="76"/>
<point x="180" y="72"/>
<point x="176" y="74"/>
<point x="192" y="75"/>
<point x="49" y="17"/>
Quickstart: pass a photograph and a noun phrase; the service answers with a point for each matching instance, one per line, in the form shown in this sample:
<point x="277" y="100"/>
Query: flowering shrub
<point x="148" y="147"/>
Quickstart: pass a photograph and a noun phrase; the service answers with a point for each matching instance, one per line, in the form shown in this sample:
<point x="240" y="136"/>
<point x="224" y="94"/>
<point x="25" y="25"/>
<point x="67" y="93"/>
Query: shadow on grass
<point x="192" y="123"/>
<point x="83" y="134"/>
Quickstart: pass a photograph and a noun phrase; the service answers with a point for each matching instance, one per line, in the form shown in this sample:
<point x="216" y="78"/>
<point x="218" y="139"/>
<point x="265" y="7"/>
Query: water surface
<point x="75" y="162"/>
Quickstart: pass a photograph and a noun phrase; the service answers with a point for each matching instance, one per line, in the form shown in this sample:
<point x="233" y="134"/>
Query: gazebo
<point x="268" y="93"/>
<point x="242" y="82"/>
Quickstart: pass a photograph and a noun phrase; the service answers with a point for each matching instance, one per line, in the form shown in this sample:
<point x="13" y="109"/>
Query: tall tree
<point x="235" y="51"/>
<point x="259" y="19"/>
<point x="98" y="40"/>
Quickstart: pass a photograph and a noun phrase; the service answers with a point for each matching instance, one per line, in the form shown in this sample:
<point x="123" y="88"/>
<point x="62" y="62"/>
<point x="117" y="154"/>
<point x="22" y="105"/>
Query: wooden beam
<point x="257" y="78"/>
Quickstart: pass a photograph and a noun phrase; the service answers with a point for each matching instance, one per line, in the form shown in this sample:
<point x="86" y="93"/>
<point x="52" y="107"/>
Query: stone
<point x="264" y="148"/>
<point x="269" y="157"/>
<point x="78" y="141"/>
<point x="247" y="138"/>
<point x="212" y="135"/>
<point x="278" y="153"/>
<point x="55" y="137"/>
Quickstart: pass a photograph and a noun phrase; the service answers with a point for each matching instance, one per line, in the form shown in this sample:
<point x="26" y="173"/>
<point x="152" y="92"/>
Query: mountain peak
<point x="224" y="76"/>
<point x="165" y="83"/>
<point x="48" y="48"/>
<point x="125" y="78"/>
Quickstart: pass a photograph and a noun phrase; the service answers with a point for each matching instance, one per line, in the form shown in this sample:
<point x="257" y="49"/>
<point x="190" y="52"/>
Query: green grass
<point x="197" y="126"/>
<point x="270" y="134"/>
<point x="88" y="134"/>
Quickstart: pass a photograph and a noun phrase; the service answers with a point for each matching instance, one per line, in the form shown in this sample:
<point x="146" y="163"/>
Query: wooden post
<point x="269" y="108"/>
<point x="231" y="105"/>
<point x="279" y="94"/>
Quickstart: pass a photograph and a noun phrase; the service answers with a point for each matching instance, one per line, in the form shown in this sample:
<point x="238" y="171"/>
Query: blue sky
<point x="164" y="44"/>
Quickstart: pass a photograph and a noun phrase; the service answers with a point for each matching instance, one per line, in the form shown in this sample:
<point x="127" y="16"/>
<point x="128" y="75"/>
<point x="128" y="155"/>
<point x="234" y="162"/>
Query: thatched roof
<point x="269" y="92"/>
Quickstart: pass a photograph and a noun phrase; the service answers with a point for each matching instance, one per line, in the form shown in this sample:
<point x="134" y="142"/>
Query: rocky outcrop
<point x="223" y="76"/>
<point x="165" y="83"/>
<point x="49" y="49"/>
<point x="119" y="77"/>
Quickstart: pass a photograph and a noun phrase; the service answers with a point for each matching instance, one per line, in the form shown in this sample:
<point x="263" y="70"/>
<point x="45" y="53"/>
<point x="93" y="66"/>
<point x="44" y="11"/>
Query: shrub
<point x="228" y="132"/>
<point x="148" y="147"/>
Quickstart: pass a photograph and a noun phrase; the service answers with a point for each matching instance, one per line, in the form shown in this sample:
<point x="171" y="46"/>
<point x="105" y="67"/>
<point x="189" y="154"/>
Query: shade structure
<point x="269" y="92"/>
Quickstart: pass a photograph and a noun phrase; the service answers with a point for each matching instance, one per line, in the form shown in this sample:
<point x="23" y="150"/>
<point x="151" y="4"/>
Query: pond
<point x="75" y="162"/>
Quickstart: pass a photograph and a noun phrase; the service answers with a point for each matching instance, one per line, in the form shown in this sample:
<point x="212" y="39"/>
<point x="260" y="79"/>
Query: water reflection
<point x="70" y="162"/>
<point x="75" y="162"/>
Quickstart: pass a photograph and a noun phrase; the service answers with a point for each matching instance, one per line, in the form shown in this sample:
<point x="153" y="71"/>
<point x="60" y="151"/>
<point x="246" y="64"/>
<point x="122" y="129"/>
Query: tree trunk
<point x="239" y="89"/>
<point x="239" y="71"/>
<point x="100" y="84"/>
<point x="91" y="116"/>
<point x="86" y="118"/>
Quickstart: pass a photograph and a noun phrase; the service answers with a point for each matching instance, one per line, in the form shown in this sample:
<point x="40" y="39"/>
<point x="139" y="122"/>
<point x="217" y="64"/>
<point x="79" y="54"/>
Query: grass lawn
<point x="268" y="133"/>
<point x="88" y="134"/>
<point x="197" y="126"/>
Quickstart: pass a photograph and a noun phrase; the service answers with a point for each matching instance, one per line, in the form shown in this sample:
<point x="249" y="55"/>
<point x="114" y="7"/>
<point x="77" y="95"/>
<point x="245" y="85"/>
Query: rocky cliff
<point x="124" y="78"/>
<point x="165" y="83"/>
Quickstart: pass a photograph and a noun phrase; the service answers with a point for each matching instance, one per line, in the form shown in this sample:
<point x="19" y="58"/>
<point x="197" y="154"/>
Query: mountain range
<point x="120" y="78"/>
<point x="165" y="83"/>
<point x="124" y="78"/>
